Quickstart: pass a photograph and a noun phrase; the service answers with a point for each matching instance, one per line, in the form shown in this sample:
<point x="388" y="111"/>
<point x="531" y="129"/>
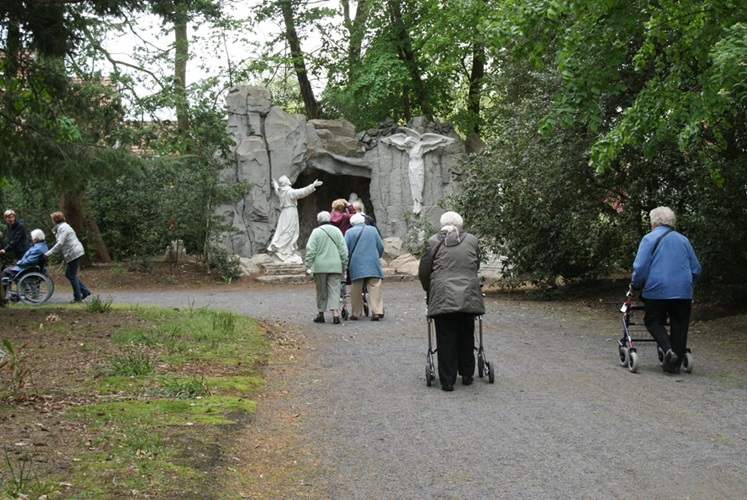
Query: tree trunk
<point x="356" y="31"/>
<point x="78" y="214"/>
<point x="475" y="86"/>
<point x="181" y="55"/>
<point x="407" y="55"/>
<point x="299" y="64"/>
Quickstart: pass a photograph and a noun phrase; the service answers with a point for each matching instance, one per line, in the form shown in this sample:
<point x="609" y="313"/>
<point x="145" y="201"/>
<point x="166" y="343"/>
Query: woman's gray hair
<point x="8" y="212"/>
<point x="322" y="216"/>
<point x="37" y="235"/>
<point x="357" y="219"/>
<point x="452" y="219"/>
<point x="662" y="216"/>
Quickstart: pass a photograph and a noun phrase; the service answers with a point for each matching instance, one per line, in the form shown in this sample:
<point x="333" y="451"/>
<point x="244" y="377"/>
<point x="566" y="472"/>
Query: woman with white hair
<point x="31" y="258"/>
<point x="364" y="250"/>
<point x="326" y="257"/>
<point x="665" y="270"/>
<point x="448" y="273"/>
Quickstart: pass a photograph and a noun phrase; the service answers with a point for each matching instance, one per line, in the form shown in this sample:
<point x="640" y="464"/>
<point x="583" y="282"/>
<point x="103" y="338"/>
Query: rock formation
<point x="271" y="143"/>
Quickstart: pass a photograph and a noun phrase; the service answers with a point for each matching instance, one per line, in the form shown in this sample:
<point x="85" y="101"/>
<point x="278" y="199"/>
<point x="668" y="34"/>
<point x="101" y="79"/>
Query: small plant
<point x="140" y="264"/>
<point x="97" y="305"/>
<point x="22" y="479"/>
<point x="134" y="363"/>
<point x="224" y="322"/>
<point x="118" y="269"/>
<point x="419" y="229"/>
<point x="143" y="443"/>
<point x="11" y="357"/>
<point x="229" y="266"/>
<point x="180" y="388"/>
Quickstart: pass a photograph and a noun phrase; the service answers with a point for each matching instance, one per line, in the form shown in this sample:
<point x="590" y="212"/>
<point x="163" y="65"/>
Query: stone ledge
<point x="283" y="269"/>
<point x="390" y="275"/>
<point x="285" y="279"/>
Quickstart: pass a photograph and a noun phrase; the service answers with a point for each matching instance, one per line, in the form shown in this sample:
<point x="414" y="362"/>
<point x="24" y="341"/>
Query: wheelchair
<point x="32" y="285"/>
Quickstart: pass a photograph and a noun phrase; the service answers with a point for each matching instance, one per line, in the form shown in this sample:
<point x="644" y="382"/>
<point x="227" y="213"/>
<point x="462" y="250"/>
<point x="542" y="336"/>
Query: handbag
<point x="350" y="257"/>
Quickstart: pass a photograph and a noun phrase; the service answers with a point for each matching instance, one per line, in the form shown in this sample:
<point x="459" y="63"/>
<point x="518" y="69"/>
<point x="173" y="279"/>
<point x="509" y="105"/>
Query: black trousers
<point x="678" y="313"/>
<point x="455" y="341"/>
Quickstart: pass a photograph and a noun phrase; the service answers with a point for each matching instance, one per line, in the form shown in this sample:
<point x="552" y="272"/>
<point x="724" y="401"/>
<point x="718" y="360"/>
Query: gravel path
<point x="563" y="419"/>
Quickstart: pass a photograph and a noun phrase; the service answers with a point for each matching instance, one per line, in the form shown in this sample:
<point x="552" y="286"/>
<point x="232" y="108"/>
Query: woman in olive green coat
<point x="448" y="273"/>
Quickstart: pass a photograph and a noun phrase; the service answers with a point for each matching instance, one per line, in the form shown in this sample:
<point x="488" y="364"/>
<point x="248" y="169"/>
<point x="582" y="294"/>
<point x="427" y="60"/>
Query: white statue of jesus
<point x="284" y="244"/>
<point x="416" y="145"/>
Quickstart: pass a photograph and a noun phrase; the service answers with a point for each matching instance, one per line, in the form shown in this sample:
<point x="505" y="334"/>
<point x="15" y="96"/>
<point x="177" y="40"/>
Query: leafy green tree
<point x="178" y="14"/>
<point x="640" y="73"/>
<point x="295" y="16"/>
<point x="641" y="92"/>
<point x="174" y="197"/>
<point x="532" y="198"/>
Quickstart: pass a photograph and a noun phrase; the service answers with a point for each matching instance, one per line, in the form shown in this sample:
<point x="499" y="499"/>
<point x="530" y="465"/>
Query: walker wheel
<point x="480" y="366"/>
<point x="687" y="363"/>
<point x="491" y="372"/>
<point x="660" y="355"/>
<point x="624" y="353"/>
<point x="365" y="309"/>
<point x="633" y="363"/>
<point x="344" y="314"/>
<point x="428" y="374"/>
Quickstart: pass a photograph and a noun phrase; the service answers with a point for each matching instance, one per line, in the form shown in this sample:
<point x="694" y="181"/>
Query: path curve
<point x="563" y="419"/>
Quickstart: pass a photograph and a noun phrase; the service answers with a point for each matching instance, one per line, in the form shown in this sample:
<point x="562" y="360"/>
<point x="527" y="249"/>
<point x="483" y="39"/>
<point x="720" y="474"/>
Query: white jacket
<point x="67" y="243"/>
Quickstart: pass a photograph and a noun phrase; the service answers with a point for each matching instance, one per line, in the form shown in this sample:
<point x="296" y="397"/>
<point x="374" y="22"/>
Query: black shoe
<point x="467" y="380"/>
<point x="670" y="358"/>
<point x="319" y="319"/>
<point x="336" y="320"/>
<point x="376" y="317"/>
<point x="447" y="388"/>
<point x="676" y="370"/>
<point x="85" y="295"/>
<point x="353" y="318"/>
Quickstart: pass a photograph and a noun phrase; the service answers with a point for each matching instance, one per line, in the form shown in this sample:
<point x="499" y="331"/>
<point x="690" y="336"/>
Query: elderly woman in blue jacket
<point x="30" y="258"/>
<point x="665" y="270"/>
<point x="365" y="248"/>
<point x="72" y="252"/>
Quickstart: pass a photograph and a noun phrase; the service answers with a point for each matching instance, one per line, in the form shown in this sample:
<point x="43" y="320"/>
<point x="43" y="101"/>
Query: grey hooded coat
<point x="448" y="273"/>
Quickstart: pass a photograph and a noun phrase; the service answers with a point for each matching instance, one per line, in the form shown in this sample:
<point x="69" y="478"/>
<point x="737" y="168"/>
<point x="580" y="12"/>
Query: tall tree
<point x="297" y="58"/>
<point x="178" y="14"/>
<point x="420" y="57"/>
<point x="286" y="50"/>
<point x="658" y="64"/>
<point x="44" y="136"/>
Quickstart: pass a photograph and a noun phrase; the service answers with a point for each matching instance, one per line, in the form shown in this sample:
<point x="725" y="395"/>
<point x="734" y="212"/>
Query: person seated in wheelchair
<point x="34" y="256"/>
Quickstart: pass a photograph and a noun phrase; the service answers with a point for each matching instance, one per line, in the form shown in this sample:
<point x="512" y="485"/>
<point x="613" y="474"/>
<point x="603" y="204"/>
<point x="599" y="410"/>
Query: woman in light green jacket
<point x="326" y="257"/>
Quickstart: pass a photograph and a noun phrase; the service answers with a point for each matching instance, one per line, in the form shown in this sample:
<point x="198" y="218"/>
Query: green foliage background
<point x="593" y="112"/>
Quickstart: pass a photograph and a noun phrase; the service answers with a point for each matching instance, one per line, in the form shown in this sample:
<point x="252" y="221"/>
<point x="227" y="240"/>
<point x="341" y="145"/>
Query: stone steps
<point x="295" y="274"/>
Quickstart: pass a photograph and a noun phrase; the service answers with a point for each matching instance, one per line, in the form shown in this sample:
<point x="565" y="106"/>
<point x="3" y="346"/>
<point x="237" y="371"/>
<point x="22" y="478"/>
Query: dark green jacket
<point x="448" y="273"/>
